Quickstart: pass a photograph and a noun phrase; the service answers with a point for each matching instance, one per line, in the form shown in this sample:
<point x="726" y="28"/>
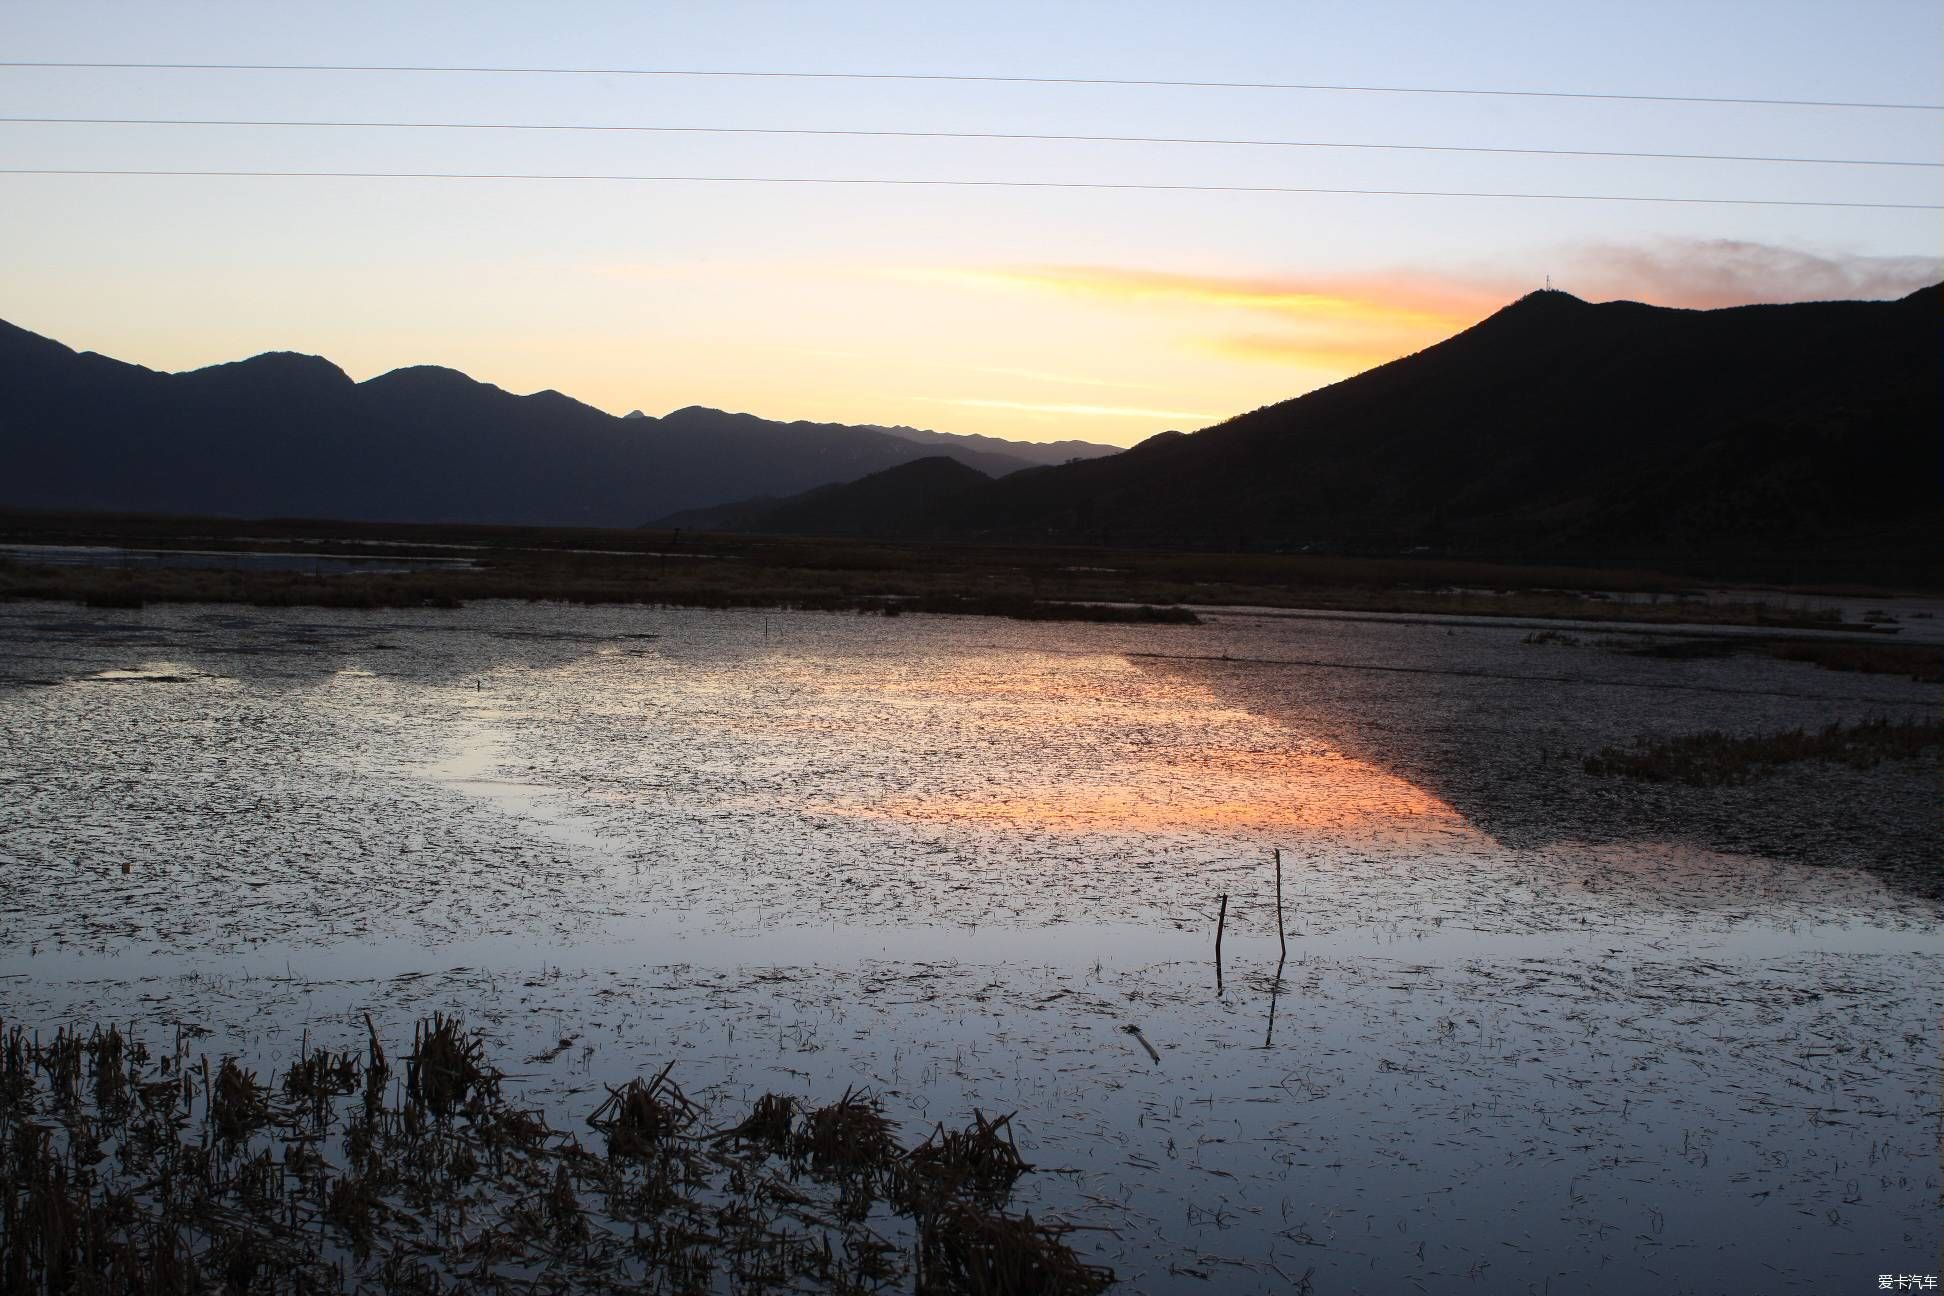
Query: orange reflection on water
<point x="1002" y="737"/>
<point x="1286" y="792"/>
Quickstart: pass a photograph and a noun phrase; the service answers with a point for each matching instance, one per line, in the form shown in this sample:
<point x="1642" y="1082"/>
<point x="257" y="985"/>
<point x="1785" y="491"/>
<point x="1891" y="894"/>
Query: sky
<point x="1027" y="312"/>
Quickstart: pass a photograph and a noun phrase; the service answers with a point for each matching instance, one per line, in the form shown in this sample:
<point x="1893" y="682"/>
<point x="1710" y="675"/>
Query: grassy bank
<point x="682" y="570"/>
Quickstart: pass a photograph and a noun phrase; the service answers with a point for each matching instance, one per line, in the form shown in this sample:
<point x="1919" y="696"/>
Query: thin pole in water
<point x="1282" y="937"/>
<point x="1221" y="920"/>
<point x="1282" y="940"/>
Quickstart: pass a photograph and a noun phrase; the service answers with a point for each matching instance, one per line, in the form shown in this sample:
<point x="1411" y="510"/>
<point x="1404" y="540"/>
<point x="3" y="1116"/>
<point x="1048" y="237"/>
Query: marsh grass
<point x="1922" y="662"/>
<point x="447" y="1067"/>
<point x="1715" y="759"/>
<point x="637" y="1118"/>
<point x="849" y="1136"/>
<point x="125" y="1173"/>
<point x="678" y="569"/>
<point x="980" y="1159"/>
<point x="964" y="1249"/>
<point x="769" y="1124"/>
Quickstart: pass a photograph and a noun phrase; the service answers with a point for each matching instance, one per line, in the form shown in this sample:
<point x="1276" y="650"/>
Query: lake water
<point x="1536" y="1031"/>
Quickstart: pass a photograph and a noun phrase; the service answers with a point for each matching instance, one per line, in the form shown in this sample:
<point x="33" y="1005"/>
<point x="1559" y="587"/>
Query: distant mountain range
<point x="906" y="500"/>
<point x="1555" y="427"/>
<point x="285" y="435"/>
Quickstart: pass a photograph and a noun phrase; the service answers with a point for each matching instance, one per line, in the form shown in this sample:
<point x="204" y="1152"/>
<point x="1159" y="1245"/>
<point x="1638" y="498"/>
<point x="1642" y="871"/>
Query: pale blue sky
<point x="1038" y="313"/>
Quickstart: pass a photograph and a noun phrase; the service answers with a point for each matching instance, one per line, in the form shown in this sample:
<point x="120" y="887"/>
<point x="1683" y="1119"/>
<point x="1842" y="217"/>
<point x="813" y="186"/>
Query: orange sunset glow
<point x="1097" y="745"/>
<point x="1294" y="792"/>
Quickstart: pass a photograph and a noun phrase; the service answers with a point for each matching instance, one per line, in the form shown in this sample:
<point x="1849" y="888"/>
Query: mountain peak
<point x="1546" y="299"/>
<point x="275" y="367"/>
<point x="426" y="378"/>
<point x="701" y="414"/>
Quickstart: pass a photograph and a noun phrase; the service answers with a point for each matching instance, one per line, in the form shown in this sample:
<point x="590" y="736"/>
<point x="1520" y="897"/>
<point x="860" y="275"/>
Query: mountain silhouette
<point x="290" y="435"/>
<point x="894" y="502"/>
<point x="1554" y="427"/>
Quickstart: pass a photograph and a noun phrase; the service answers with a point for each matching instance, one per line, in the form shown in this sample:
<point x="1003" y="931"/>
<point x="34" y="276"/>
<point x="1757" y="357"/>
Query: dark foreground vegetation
<point x="1715" y="759"/>
<point x="676" y="568"/>
<point x="122" y="1170"/>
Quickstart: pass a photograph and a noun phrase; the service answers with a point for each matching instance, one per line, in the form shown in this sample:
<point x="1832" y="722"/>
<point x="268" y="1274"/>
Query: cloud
<point x="1063" y="380"/>
<point x="1421" y="300"/>
<point x="1333" y="323"/>
<point x="1709" y="273"/>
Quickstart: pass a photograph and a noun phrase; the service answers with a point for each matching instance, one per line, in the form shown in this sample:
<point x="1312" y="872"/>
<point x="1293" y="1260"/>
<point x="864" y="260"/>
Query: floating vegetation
<point x="1713" y="759"/>
<point x="109" y="1187"/>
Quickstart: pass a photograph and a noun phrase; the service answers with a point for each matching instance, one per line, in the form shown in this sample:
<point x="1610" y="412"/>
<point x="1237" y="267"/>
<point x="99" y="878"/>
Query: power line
<point x="1322" y="87"/>
<point x="961" y="184"/>
<point x="960" y="135"/>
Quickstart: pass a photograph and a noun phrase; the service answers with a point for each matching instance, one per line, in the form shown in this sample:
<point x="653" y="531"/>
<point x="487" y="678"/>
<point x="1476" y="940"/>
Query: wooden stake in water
<point x="1221" y="920"/>
<point x="1282" y="937"/>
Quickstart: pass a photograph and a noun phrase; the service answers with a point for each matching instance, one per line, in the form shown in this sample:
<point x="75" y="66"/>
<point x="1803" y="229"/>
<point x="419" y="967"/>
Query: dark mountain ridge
<point x="1554" y="427"/>
<point x="284" y="434"/>
<point x="894" y="502"/>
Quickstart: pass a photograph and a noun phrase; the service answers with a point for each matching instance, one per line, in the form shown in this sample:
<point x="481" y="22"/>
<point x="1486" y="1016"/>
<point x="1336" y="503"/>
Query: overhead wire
<point x="981" y="78"/>
<point x="1024" y="136"/>
<point x="1147" y="186"/>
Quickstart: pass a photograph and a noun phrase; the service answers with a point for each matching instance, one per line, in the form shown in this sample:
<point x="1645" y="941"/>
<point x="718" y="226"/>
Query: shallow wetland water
<point x="1536" y="1031"/>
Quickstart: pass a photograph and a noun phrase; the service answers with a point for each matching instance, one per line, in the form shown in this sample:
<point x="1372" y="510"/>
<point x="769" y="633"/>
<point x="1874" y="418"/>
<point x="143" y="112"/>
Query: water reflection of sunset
<point x="1108" y="748"/>
<point x="1283" y="791"/>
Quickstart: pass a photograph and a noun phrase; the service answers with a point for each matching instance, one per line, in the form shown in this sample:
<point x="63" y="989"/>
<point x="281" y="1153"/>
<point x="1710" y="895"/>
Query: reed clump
<point x="981" y="1158"/>
<point x="322" y="1075"/>
<point x="238" y="1105"/>
<point x="447" y="1069"/>
<point x="847" y="1136"/>
<point x="1921" y="662"/>
<point x="962" y="1249"/>
<point x="638" y="1118"/>
<point x="122" y="1172"/>
<point x="769" y="1124"/>
<point x="1715" y="759"/>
